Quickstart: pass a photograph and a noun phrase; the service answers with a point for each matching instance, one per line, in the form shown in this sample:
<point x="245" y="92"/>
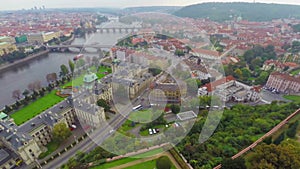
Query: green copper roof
<point x="3" y="116"/>
<point x="90" y="77"/>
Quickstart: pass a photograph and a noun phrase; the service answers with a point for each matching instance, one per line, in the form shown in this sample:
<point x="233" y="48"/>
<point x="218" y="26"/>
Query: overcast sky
<point x="27" y="4"/>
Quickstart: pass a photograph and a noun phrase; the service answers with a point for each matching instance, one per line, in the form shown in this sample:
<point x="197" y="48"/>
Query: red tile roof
<point x="212" y="86"/>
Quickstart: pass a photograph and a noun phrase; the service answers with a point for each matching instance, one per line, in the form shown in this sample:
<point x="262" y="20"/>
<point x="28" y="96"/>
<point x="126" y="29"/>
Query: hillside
<point x="162" y="9"/>
<point x="249" y="11"/>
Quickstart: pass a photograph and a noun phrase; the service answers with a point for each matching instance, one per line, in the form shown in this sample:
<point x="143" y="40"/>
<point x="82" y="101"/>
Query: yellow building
<point x="7" y="39"/>
<point x="6" y="48"/>
<point x="50" y="35"/>
<point x="38" y="38"/>
<point x="35" y="38"/>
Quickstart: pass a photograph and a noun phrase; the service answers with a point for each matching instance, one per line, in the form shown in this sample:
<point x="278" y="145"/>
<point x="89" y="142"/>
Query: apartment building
<point x="284" y="83"/>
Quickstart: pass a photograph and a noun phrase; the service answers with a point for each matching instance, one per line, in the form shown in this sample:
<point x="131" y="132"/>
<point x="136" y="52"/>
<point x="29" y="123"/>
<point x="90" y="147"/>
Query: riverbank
<point x="9" y="66"/>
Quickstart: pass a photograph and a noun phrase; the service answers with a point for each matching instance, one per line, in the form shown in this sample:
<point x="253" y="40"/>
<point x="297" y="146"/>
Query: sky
<point x="27" y="4"/>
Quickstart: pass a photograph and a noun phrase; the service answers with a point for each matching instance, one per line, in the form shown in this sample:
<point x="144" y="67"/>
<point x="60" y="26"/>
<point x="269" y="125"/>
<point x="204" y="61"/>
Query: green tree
<point x="279" y="139"/>
<point x="103" y="103"/>
<point x="64" y="70"/>
<point x="60" y="132"/>
<point x="285" y="155"/>
<point x="175" y="108"/>
<point x="292" y="130"/>
<point x="71" y="66"/>
<point x="238" y="163"/>
<point x="163" y="163"/>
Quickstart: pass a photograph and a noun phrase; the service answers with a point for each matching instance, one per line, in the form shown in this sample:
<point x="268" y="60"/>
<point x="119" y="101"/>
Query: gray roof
<point x="17" y="135"/>
<point x="49" y="117"/>
<point x="6" y="155"/>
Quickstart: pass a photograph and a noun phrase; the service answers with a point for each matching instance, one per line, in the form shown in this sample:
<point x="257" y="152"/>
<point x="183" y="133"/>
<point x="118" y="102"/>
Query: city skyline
<point x="11" y="5"/>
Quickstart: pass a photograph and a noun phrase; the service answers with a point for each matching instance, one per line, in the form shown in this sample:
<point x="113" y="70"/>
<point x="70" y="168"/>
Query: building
<point x="89" y="80"/>
<point x="228" y="89"/>
<point x="6" y="48"/>
<point x="21" y="39"/>
<point x="166" y="89"/>
<point x="133" y="78"/>
<point x="8" y="159"/>
<point x="50" y="35"/>
<point x="183" y="116"/>
<point x="284" y="83"/>
<point x="7" y="39"/>
<point x="39" y="38"/>
<point x="35" y="38"/>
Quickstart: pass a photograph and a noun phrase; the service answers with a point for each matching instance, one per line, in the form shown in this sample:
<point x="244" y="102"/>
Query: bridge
<point x="81" y="47"/>
<point x="116" y="26"/>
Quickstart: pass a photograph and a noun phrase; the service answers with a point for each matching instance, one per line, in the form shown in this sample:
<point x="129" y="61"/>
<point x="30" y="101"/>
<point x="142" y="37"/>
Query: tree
<point x="71" y="66"/>
<point x="292" y="130"/>
<point x="103" y="103"/>
<point x="64" y="70"/>
<point x="285" y="155"/>
<point x="238" y="163"/>
<point x="31" y="87"/>
<point x="51" y="77"/>
<point x="16" y="94"/>
<point x="25" y="93"/>
<point x="37" y="85"/>
<point x="163" y="163"/>
<point x="61" y="132"/>
<point x="279" y="139"/>
<point x="175" y="108"/>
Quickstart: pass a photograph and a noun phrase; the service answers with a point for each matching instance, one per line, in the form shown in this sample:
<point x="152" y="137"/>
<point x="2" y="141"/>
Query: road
<point x="272" y="131"/>
<point x="95" y="138"/>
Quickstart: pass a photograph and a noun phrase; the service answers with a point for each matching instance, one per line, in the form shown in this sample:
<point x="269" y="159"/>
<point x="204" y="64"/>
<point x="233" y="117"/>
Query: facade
<point x="50" y="35"/>
<point x="39" y="38"/>
<point x="35" y="38"/>
<point x="8" y="159"/>
<point x="6" y="48"/>
<point x="29" y="139"/>
<point x="166" y="89"/>
<point x="228" y="89"/>
<point x="21" y="39"/>
<point x="284" y="83"/>
<point x="7" y="39"/>
<point x="131" y="77"/>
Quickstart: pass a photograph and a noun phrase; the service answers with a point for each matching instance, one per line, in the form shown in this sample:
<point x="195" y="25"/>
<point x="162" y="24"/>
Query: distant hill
<point x="249" y="11"/>
<point x="162" y="9"/>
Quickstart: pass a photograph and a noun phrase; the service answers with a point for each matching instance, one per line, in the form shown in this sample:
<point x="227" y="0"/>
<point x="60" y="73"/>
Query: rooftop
<point x="186" y="115"/>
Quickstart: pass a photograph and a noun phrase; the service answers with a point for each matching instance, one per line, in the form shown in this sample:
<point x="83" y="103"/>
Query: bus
<point x="138" y="107"/>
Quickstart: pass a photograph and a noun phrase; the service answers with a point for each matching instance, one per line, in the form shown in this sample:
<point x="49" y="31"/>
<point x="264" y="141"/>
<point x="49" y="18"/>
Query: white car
<point x="111" y="131"/>
<point x="154" y="132"/>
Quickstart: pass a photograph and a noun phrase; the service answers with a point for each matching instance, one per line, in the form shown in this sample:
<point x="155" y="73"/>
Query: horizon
<point x="56" y="4"/>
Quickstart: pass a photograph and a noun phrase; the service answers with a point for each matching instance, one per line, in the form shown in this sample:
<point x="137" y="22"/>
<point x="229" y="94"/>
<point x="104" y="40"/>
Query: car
<point x="111" y="131"/>
<point x="154" y="131"/>
<point x="150" y="132"/>
<point x="73" y="126"/>
<point x="157" y="130"/>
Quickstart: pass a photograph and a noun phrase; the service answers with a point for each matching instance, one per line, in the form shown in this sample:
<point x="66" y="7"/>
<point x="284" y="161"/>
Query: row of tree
<point x="240" y="126"/>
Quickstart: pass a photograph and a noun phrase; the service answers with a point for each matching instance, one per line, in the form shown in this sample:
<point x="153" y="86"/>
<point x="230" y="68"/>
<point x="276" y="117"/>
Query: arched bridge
<point x="81" y="47"/>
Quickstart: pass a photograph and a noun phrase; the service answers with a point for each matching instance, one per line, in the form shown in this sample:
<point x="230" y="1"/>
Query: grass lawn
<point x="127" y="126"/>
<point x="128" y="159"/>
<point x="143" y="116"/>
<point x="78" y="81"/>
<point x="292" y="97"/>
<point x="52" y="146"/>
<point x="147" y="165"/>
<point x="35" y="108"/>
<point x="295" y="72"/>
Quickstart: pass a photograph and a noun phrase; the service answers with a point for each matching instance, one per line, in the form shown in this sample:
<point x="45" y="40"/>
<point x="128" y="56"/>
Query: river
<point x="19" y="77"/>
